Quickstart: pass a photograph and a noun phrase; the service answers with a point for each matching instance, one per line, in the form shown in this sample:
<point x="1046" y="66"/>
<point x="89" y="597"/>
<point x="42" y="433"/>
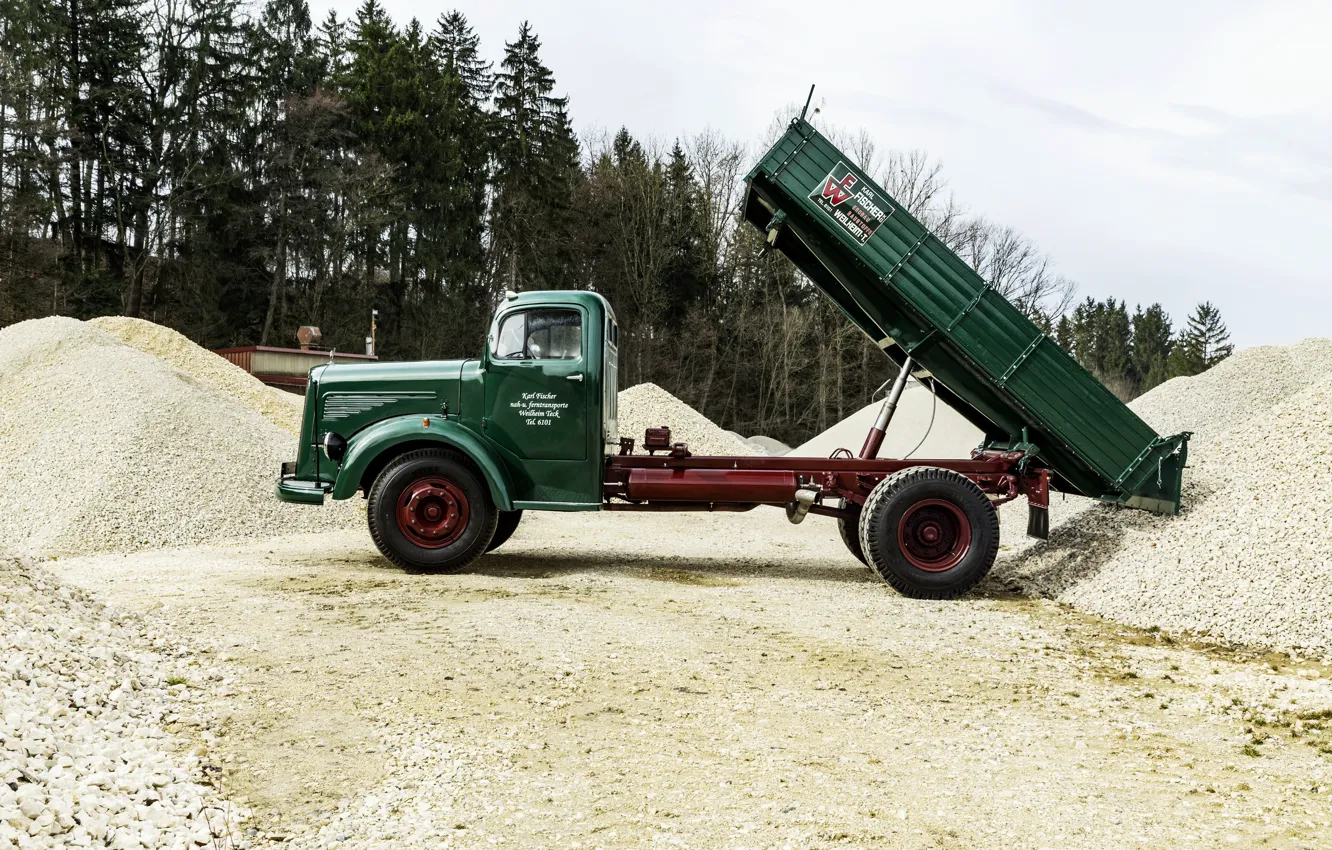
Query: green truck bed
<point x="915" y="297"/>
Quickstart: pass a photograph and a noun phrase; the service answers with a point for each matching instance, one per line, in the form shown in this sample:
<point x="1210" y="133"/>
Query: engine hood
<point x="351" y="396"/>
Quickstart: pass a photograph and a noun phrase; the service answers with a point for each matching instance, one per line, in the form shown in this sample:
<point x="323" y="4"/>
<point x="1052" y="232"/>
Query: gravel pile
<point x="649" y="406"/>
<point x="949" y="435"/>
<point x="106" y="448"/>
<point x="281" y="408"/>
<point x="1250" y="558"/>
<point x="769" y="445"/>
<point x="85" y="760"/>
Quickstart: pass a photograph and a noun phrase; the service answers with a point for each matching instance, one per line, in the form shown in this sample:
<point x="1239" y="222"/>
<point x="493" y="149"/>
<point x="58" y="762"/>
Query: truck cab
<point x="441" y="447"/>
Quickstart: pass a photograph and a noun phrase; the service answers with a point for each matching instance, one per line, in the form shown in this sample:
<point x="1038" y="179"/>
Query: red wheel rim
<point x="934" y="535"/>
<point x="432" y="512"/>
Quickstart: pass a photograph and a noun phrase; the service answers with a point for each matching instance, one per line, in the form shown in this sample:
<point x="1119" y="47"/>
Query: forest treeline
<point x="235" y="171"/>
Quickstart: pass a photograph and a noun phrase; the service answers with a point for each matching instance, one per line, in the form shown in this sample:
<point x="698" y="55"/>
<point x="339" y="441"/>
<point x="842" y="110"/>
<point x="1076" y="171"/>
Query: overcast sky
<point x="1159" y="151"/>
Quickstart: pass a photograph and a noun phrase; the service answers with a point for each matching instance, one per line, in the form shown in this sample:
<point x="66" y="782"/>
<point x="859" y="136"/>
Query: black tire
<point x="849" y="528"/>
<point x="504" y="528"/>
<point x="930" y="533"/>
<point x="456" y="489"/>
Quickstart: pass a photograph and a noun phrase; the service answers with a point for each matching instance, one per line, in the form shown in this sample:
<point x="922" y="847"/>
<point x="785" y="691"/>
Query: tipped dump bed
<point x="913" y="296"/>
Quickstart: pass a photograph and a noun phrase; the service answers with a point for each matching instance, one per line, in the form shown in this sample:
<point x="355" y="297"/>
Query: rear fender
<point x="402" y="433"/>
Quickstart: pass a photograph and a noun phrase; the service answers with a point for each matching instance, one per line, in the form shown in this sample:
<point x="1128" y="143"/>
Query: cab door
<point x="537" y="383"/>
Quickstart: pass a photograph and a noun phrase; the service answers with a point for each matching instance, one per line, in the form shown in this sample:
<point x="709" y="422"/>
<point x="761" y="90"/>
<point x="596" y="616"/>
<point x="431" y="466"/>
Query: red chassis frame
<point x="680" y="482"/>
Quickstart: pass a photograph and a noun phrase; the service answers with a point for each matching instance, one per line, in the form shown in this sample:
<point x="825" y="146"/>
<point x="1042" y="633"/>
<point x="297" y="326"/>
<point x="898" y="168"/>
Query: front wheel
<point x="930" y="533"/>
<point x="430" y="511"/>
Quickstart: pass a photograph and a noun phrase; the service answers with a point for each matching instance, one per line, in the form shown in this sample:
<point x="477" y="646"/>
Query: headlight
<point x="335" y="446"/>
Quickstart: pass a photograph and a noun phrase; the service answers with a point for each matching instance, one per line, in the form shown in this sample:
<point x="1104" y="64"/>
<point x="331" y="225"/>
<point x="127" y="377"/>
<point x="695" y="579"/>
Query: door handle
<point x="577" y="376"/>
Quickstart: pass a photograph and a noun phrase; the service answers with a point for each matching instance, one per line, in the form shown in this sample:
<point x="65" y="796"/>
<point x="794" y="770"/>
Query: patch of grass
<point x="1251" y="751"/>
<point x="175" y="680"/>
<point x="1325" y="714"/>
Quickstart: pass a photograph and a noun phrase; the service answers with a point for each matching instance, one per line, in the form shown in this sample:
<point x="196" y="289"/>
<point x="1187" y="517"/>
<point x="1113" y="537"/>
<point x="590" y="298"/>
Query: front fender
<point x="385" y="436"/>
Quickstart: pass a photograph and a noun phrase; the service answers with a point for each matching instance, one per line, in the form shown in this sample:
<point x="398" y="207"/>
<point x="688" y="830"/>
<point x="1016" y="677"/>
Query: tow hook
<point x="804" y="499"/>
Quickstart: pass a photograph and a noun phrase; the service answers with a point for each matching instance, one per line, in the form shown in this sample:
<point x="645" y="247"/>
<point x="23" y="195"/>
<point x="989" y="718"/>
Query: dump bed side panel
<point x="913" y="295"/>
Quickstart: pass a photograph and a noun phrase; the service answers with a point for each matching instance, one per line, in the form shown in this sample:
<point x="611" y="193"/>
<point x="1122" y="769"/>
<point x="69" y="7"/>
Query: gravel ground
<point x="626" y="681"/>
<point x="106" y="448"/>
<point x="1249" y="559"/>
<point x="283" y="409"/>
<point x="87" y="697"/>
<point x="752" y="688"/>
<point x="649" y="406"/>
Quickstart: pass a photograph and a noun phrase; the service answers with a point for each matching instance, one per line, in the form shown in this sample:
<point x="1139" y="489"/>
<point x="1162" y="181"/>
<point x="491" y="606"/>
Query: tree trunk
<point x="279" y="274"/>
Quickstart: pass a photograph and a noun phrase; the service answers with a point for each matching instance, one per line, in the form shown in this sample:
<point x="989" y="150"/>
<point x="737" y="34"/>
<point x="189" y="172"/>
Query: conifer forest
<point x="235" y="171"/>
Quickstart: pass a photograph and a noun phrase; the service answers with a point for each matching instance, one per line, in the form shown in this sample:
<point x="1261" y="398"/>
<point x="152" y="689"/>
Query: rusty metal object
<point x="657" y="440"/>
<point x="721" y="507"/>
<point x="1036" y="485"/>
<point x="710" y="485"/>
<point x="309" y="337"/>
<point x="669" y="482"/>
<point x="934" y="535"/>
<point x="432" y="512"/>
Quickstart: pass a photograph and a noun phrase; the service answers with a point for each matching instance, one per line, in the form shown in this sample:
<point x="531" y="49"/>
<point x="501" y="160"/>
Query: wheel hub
<point x="432" y="512"/>
<point x="934" y="535"/>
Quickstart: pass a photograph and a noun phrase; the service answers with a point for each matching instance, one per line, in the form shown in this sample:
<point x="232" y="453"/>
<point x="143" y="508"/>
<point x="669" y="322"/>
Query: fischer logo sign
<point x="858" y="209"/>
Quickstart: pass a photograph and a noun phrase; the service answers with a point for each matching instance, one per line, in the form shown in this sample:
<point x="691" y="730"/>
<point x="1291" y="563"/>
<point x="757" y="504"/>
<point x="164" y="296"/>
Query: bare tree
<point x="717" y="161"/>
<point x="1015" y="267"/>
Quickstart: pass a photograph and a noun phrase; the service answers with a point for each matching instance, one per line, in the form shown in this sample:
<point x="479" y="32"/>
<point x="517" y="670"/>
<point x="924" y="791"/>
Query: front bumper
<point x="293" y="489"/>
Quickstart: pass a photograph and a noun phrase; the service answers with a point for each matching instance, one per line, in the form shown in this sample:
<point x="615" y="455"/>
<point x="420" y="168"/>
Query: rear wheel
<point x="849" y="528"/>
<point x="930" y="533"/>
<point x="504" y="528"/>
<point x="430" y="511"/>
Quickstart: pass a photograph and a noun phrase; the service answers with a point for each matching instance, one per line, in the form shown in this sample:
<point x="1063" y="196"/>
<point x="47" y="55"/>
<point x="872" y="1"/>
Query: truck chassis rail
<point x="670" y="482"/>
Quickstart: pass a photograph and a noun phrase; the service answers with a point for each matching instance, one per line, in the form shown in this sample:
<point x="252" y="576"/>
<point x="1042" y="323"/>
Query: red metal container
<point x="770" y="486"/>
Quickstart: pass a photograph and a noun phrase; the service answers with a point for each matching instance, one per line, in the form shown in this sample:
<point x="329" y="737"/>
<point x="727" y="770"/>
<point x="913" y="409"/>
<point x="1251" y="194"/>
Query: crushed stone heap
<point x="281" y="408"/>
<point x="647" y="405"/>
<point x="1249" y="559"/>
<point x="86" y="696"/>
<point x="106" y="448"/>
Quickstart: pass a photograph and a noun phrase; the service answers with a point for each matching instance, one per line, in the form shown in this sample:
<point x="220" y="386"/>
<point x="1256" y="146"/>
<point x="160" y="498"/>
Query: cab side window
<point x="509" y="344"/>
<point x="542" y="334"/>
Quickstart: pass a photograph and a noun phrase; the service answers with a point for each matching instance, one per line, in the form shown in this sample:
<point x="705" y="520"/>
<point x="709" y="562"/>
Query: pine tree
<point x="1203" y="343"/>
<point x="287" y="60"/>
<point x="1102" y="341"/>
<point x="455" y="235"/>
<point x="685" y="267"/>
<point x="367" y="87"/>
<point x="1152" y="343"/>
<point x="1064" y="333"/>
<point x="332" y="46"/>
<point x="536" y="156"/>
<point x="289" y="69"/>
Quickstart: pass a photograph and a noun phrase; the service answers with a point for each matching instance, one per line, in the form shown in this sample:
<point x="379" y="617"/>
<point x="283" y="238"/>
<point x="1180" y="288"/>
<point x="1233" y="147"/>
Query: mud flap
<point x="1038" y="522"/>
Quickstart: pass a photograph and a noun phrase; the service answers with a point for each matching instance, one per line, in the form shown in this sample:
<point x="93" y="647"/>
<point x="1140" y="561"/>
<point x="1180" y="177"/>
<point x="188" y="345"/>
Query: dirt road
<point x="753" y="688"/>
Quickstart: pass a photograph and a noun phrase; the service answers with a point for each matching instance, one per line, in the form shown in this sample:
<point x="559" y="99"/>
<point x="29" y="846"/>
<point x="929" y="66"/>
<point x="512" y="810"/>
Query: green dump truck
<point x="450" y="454"/>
